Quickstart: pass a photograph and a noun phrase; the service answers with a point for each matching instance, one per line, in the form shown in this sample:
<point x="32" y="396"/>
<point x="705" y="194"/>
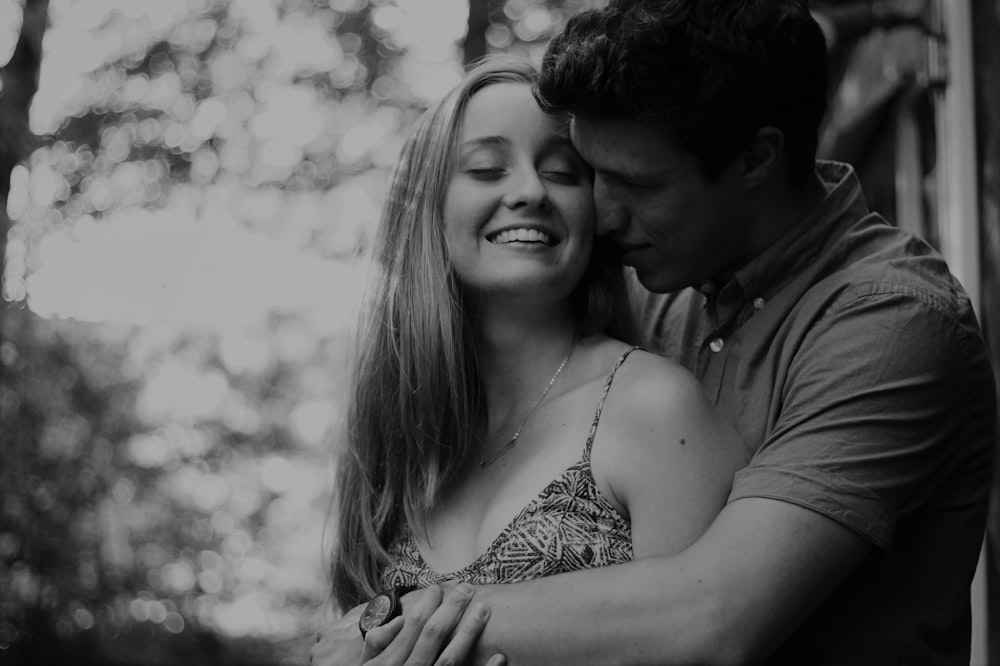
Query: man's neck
<point x="782" y="208"/>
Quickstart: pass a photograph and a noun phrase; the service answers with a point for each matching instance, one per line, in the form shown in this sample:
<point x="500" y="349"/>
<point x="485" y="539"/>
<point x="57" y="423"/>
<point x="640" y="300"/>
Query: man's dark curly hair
<point x="712" y="71"/>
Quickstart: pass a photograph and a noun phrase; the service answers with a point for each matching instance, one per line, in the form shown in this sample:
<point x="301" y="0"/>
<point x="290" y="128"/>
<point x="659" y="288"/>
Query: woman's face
<point x="519" y="212"/>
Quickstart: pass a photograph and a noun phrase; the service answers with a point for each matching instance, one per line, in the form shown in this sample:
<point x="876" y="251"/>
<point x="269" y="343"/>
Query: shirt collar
<point x="766" y="273"/>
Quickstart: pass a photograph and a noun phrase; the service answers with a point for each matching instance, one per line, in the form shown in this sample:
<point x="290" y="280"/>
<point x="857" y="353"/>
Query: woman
<point x="493" y="350"/>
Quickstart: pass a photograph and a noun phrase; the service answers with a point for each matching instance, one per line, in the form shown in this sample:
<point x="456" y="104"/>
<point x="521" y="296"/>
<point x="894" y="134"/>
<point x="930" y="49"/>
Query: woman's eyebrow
<point x="560" y="140"/>
<point x="485" y="140"/>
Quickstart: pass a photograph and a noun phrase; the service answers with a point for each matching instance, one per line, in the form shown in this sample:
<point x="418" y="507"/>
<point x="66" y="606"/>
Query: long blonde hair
<point x="415" y="394"/>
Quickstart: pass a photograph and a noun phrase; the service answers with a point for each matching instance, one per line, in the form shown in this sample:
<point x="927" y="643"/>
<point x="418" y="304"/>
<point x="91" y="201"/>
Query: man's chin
<point x="657" y="282"/>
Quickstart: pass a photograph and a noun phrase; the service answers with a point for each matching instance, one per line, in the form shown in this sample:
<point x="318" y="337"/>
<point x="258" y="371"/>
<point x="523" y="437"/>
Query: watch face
<point x="375" y="612"/>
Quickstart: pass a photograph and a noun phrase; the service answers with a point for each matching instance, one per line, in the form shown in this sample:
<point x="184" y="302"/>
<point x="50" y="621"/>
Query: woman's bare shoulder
<point x="664" y="452"/>
<point x="647" y="377"/>
<point x="652" y="397"/>
<point x="654" y="400"/>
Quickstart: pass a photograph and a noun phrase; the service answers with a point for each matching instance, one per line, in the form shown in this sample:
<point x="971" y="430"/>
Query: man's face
<point x="675" y="227"/>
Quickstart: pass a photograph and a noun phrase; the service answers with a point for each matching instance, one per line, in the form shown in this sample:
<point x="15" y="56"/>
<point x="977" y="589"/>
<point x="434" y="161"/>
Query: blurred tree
<point x="191" y="227"/>
<point x="21" y="415"/>
<point x="18" y="83"/>
<point x="475" y="45"/>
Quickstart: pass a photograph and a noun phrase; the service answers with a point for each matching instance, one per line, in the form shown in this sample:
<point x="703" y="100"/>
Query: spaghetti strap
<point x="600" y="404"/>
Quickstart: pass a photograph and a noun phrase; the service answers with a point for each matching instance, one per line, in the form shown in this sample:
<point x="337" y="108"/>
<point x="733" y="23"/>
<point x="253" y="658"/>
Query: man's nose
<point x="610" y="214"/>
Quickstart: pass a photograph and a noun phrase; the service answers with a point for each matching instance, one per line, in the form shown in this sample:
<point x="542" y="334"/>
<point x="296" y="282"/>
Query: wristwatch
<point x="382" y="608"/>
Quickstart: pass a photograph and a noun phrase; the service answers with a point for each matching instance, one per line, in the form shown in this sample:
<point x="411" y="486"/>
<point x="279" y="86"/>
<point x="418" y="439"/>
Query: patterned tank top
<point x="568" y="526"/>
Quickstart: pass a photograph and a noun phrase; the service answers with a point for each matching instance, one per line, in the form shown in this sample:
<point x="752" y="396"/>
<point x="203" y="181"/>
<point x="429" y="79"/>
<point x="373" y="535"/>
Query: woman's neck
<point x="517" y="354"/>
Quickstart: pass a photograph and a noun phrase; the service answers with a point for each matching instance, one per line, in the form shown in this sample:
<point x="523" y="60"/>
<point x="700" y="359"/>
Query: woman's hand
<point x="339" y="642"/>
<point x="434" y="629"/>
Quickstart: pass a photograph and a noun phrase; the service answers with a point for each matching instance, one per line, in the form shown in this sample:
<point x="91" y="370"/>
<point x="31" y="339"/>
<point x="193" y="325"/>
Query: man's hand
<point x="434" y="629"/>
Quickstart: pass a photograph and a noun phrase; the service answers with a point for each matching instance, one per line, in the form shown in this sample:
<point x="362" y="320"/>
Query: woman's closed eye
<point x="485" y="172"/>
<point x="561" y="171"/>
<point x="562" y="177"/>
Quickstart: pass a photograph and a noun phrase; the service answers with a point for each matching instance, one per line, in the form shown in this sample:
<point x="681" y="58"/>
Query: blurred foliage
<point x="182" y="264"/>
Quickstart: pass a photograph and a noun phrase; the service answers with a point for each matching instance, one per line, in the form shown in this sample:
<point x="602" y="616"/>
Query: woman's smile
<point x="522" y="236"/>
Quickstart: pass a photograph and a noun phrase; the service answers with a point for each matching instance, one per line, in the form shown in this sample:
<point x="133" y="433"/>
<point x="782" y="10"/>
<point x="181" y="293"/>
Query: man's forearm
<point x="604" y="616"/>
<point x="733" y="597"/>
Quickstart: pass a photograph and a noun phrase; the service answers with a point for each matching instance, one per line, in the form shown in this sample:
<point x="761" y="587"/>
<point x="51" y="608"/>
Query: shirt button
<point x="716" y="345"/>
<point x="758" y="303"/>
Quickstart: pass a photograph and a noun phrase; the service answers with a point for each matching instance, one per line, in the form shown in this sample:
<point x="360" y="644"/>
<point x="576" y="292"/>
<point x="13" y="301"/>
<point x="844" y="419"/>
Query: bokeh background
<point x="189" y="188"/>
<point x="192" y="187"/>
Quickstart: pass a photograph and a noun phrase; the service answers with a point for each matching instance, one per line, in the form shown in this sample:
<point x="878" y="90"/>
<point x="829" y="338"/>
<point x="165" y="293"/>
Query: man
<point x="842" y="348"/>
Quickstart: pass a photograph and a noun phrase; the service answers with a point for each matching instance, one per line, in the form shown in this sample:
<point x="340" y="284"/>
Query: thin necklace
<point x="513" y="440"/>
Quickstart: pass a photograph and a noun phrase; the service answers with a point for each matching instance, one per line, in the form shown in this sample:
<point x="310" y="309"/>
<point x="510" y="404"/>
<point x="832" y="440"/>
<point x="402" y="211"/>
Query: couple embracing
<point x="768" y="440"/>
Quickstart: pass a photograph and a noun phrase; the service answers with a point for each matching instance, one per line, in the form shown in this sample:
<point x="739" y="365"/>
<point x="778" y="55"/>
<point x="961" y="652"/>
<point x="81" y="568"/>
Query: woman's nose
<point x="527" y="190"/>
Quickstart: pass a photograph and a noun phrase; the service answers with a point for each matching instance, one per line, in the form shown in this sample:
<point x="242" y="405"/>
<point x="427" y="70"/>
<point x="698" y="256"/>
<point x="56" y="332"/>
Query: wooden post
<point x="985" y="70"/>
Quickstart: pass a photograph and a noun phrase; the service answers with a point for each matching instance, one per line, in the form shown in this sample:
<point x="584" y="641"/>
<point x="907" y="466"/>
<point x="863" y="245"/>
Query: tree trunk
<point x="19" y="80"/>
<point x="475" y="36"/>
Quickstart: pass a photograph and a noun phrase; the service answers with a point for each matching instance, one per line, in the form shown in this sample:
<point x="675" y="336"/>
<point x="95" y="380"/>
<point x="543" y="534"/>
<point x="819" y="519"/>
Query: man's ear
<point x="763" y="156"/>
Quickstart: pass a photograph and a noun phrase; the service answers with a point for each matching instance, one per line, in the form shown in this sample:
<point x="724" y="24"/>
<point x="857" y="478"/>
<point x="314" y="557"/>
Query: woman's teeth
<point x="521" y="235"/>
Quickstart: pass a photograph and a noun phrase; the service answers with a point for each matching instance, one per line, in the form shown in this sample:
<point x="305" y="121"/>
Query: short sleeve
<point x="886" y="395"/>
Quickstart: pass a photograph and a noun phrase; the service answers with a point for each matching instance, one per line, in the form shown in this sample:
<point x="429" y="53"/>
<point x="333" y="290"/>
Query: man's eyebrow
<point x="616" y="172"/>
<point x="624" y="171"/>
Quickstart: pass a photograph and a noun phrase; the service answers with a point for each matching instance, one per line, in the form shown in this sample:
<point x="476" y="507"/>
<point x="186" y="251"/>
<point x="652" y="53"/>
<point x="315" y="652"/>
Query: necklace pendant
<point x="500" y="452"/>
